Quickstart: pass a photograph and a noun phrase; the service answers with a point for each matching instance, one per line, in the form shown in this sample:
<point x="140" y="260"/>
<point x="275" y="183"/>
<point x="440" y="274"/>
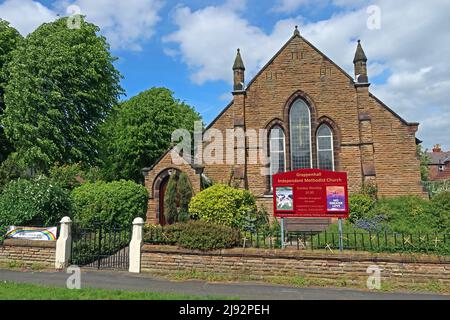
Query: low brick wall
<point x="28" y="253"/>
<point x="352" y="267"/>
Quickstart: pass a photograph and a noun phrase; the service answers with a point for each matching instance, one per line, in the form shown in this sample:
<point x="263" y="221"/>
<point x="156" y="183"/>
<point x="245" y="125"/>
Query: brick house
<point x="439" y="166"/>
<point x="318" y="116"/>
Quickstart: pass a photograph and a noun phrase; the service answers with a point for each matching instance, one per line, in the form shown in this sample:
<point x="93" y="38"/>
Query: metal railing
<point x="391" y="242"/>
<point x="356" y="241"/>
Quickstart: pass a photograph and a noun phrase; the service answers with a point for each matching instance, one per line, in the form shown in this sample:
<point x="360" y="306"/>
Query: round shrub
<point x="39" y="202"/>
<point x="202" y="235"/>
<point x="360" y="205"/>
<point x="222" y="204"/>
<point x="116" y="203"/>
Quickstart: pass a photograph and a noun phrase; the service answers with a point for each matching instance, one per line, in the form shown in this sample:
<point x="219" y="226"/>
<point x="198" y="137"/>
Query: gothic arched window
<point x="325" y="150"/>
<point x="277" y="151"/>
<point x="300" y="133"/>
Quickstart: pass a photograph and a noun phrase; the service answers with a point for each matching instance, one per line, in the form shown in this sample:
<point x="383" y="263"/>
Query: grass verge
<point x="20" y="291"/>
<point x="308" y="282"/>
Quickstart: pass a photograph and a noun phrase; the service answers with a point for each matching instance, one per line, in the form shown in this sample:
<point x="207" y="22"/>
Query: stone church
<point x="318" y="116"/>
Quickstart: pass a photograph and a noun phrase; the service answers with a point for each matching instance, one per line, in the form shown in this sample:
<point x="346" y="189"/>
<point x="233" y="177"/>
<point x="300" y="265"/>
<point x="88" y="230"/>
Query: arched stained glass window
<point x="277" y="151"/>
<point x="325" y="152"/>
<point x="300" y="133"/>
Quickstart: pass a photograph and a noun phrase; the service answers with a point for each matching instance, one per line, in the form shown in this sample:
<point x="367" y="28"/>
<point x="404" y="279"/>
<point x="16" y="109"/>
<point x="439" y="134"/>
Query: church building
<point x="317" y="116"/>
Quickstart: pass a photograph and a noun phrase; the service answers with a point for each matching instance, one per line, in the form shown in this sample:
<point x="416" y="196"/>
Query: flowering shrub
<point x="374" y="224"/>
<point x="33" y="202"/>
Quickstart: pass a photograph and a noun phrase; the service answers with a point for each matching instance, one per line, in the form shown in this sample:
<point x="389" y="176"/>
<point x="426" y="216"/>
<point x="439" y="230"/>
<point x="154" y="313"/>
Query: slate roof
<point x="439" y="157"/>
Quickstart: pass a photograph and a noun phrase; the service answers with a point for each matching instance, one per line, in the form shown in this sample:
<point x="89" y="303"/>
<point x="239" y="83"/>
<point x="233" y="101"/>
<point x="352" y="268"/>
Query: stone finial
<point x="238" y="74"/>
<point x="359" y="54"/>
<point x="238" y="63"/>
<point x="296" y="31"/>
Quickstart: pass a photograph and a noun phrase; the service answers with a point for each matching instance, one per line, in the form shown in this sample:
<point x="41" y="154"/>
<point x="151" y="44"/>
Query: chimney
<point x="437" y="148"/>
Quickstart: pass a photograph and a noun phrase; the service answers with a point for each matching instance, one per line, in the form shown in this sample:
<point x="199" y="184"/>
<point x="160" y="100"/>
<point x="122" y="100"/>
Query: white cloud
<point x="125" y="23"/>
<point x="287" y="6"/>
<point x="207" y="40"/>
<point x="412" y="47"/>
<point x="25" y="15"/>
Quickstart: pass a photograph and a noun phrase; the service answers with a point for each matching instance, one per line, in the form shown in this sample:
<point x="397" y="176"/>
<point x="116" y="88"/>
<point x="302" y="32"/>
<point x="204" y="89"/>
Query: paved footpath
<point x="245" y="291"/>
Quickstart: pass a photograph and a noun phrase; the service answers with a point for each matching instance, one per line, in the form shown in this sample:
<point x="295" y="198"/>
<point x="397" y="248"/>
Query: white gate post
<point x="135" y="246"/>
<point x="64" y="244"/>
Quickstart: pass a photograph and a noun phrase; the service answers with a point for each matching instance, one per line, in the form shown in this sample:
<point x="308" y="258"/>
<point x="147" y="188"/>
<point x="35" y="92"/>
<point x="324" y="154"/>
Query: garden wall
<point x="28" y="253"/>
<point x="314" y="265"/>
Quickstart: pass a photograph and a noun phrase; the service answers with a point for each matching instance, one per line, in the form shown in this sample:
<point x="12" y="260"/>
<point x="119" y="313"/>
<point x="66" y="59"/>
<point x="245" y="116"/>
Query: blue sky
<point x="189" y="46"/>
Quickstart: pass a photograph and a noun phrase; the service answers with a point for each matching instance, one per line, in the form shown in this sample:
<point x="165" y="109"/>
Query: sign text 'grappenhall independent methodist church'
<point x="311" y="193"/>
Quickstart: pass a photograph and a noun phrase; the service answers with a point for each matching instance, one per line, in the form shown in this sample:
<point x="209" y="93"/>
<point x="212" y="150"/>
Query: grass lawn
<point x="19" y="291"/>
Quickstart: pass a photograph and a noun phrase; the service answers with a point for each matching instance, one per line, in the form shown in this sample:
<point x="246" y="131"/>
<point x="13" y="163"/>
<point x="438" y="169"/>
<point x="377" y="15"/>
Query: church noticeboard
<point x="311" y="193"/>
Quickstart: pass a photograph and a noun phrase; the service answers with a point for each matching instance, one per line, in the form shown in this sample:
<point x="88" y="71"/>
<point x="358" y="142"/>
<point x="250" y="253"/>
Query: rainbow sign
<point x="32" y="233"/>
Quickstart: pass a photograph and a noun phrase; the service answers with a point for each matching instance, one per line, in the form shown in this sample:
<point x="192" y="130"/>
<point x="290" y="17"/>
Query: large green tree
<point x="9" y="40"/>
<point x="139" y="131"/>
<point x="62" y="85"/>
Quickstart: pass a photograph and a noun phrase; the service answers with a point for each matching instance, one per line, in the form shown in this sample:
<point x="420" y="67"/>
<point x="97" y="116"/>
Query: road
<point x="245" y="291"/>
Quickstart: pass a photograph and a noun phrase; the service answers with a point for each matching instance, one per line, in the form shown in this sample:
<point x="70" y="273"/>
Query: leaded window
<point x="300" y="133"/>
<point x="325" y="152"/>
<point x="277" y="151"/>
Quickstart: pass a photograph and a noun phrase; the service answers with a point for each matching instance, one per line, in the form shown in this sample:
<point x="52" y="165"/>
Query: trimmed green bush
<point x="202" y="235"/>
<point x="116" y="203"/>
<point x="224" y="205"/>
<point x="360" y="205"/>
<point x="33" y="202"/>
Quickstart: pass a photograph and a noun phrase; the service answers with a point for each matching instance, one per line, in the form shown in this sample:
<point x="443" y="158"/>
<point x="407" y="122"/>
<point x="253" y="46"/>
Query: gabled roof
<point x="360" y="55"/>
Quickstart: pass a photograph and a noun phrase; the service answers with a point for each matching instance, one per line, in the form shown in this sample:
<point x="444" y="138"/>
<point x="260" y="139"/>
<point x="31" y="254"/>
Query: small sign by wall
<point x="311" y="193"/>
<point x="32" y="233"/>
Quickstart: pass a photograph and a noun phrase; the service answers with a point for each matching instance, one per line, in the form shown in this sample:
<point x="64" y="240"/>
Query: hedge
<point x="116" y="203"/>
<point x="199" y="235"/>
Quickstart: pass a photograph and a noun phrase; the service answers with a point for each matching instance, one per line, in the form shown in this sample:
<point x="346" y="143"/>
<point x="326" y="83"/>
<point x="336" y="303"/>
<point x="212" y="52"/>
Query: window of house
<point x="277" y="151"/>
<point x="441" y="168"/>
<point x="300" y="133"/>
<point x="325" y="152"/>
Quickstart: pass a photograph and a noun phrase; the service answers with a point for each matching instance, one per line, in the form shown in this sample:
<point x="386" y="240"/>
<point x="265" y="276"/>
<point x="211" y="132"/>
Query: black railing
<point x="356" y="241"/>
<point x="392" y="242"/>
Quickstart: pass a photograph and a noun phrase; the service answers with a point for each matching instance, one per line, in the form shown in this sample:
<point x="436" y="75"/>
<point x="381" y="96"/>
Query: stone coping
<point x="28" y="243"/>
<point x="302" y="254"/>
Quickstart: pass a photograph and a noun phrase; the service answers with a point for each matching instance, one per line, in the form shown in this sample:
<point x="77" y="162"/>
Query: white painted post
<point x="64" y="244"/>
<point x="135" y="246"/>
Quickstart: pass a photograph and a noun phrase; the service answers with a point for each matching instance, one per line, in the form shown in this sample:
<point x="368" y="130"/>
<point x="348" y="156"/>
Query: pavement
<point x="116" y="280"/>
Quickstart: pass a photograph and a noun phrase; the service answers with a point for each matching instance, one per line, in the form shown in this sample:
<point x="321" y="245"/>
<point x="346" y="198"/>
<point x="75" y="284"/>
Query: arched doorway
<point x="162" y="192"/>
<point x="160" y="189"/>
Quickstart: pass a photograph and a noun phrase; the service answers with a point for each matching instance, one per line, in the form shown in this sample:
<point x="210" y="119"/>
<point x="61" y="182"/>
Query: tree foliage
<point x="62" y="85"/>
<point x="9" y="40"/>
<point x="139" y="131"/>
<point x="425" y="160"/>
